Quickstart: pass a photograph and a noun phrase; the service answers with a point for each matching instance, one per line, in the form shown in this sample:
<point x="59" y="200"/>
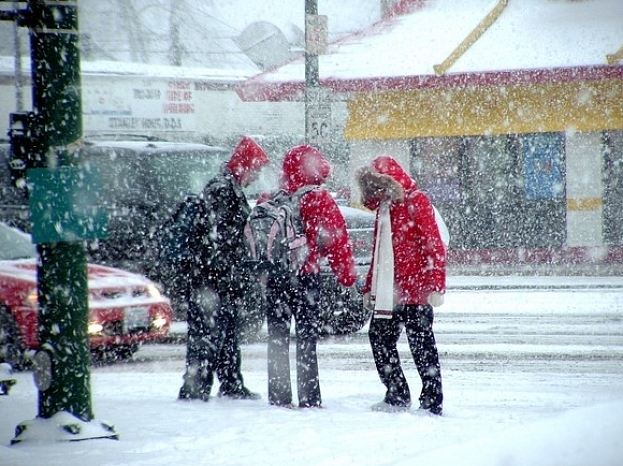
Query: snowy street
<point x="531" y="377"/>
<point x="204" y="160"/>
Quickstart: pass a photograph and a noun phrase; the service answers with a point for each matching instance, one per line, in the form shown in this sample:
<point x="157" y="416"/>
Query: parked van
<point x="142" y="183"/>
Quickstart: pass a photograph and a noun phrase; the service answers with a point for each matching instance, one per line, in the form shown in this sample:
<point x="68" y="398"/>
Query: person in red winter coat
<point x="407" y="277"/>
<point x="299" y="296"/>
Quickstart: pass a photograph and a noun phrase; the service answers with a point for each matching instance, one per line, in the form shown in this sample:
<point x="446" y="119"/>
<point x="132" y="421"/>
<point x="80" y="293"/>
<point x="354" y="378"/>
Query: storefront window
<point x="613" y="188"/>
<point x="503" y="191"/>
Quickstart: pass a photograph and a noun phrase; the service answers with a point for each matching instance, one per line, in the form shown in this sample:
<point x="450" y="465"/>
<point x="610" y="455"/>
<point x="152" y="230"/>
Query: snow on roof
<point x="126" y="68"/>
<point x="528" y="35"/>
<point x="116" y="68"/>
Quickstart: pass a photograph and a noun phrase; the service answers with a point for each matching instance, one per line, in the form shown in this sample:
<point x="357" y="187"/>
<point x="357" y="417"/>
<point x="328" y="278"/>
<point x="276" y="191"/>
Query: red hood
<point x="386" y="165"/>
<point x="304" y="165"/>
<point x="247" y="156"/>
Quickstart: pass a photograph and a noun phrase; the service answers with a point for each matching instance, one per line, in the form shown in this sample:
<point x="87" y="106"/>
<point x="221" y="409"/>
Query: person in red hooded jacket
<point x="299" y="296"/>
<point x="218" y="286"/>
<point x="406" y="279"/>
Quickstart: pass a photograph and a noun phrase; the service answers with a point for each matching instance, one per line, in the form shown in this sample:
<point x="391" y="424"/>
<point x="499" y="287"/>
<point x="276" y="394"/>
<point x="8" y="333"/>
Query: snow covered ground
<point x="531" y="377"/>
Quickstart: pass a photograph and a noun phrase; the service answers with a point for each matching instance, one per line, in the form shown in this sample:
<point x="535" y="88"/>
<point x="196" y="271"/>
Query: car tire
<point x="12" y="349"/>
<point x="125" y="352"/>
<point x="107" y="355"/>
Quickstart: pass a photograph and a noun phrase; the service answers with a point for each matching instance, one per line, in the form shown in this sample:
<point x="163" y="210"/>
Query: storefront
<point x="530" y="161"/>
<point x="510" y="118"/>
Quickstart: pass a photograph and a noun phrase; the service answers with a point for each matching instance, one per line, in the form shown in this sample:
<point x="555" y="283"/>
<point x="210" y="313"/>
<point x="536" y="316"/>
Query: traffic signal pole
<point x="62" y="280"/>
<point x="62" y="363"/>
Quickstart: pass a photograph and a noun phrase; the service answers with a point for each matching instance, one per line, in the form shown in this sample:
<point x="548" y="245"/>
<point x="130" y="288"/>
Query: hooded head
<point x="386" y="165"/>
<point x="304" y="165"/>
<point x="246" y="161"/>
<point x="383" y="179"/>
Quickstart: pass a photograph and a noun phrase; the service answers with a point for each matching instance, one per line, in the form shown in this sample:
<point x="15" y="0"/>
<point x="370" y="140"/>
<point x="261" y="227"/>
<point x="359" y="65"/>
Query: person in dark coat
<point x="407" y="277"/>
<point x="218" y="285"/>
<point x="299" y="296"/>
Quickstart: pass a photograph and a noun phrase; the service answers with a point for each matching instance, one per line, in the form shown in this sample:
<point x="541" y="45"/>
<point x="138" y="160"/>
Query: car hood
<point x="100" y="277"/>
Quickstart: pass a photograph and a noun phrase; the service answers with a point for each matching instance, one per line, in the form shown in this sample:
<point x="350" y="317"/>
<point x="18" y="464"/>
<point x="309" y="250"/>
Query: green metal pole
<point x="62" y="271"/>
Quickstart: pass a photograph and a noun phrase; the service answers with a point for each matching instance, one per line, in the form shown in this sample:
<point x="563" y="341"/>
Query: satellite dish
<point x="265" y="44"/>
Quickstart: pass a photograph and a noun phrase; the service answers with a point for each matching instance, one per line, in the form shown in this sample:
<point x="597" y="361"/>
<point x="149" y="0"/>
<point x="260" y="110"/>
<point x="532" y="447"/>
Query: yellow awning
<point x="457" y="111"/>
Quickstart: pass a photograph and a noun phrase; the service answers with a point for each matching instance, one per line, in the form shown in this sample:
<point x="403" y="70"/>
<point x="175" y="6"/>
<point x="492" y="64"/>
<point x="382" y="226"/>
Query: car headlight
<point x="95" y="328"/>
<point x="32" y="298"/>
<point x="159" y="322"/>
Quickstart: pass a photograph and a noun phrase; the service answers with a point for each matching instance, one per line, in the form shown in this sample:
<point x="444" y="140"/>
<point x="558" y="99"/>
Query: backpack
<point x="181" y="236"/>
<point x="274" y="234"/>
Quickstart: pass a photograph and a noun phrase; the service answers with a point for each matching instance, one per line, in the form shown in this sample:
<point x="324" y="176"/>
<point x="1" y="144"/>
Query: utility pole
<point x="176" y="48"/>
<point x="317" y="106"/>
<point x="44" y="145"/>
<point x="312" y="78"/>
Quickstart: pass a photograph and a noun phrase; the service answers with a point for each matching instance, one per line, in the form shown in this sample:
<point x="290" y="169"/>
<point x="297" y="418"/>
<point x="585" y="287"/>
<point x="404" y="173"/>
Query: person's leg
<point x="306" y="311"/>
<point x="229" y="366"/>
<point x="278" y="319"/>
<point x="202" y="344"/>
<point x="384" y="335"/>
<point x="419" y="328"/>
<point x="229" y="359"/>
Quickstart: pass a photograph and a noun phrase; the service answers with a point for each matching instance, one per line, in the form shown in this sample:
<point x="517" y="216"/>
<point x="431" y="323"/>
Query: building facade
<point x="522" y="171"/>
<point x="510" y="118"/>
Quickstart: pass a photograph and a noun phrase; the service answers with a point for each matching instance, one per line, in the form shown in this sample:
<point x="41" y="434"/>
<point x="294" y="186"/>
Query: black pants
<point x="298" y="298"/>
<point x="212" y="344"/>
<point x="384" y="334"/>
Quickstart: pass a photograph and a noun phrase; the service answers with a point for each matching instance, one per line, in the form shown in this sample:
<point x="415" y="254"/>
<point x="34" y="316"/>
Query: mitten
<point x="435" y="299"/>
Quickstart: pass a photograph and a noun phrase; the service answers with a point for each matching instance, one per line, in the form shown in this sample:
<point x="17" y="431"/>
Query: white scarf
<point x="382" y="291"/>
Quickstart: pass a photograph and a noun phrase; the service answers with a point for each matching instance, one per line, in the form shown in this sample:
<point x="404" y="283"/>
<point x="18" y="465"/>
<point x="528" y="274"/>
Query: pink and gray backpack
<point x="274" y="234"/>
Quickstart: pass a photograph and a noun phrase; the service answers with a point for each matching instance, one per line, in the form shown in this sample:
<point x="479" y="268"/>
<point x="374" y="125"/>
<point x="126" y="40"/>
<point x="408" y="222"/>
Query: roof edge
<point x="257" y="90"/>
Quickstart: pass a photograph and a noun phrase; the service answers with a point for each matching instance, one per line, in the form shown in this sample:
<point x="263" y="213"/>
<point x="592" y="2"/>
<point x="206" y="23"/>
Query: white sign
<point x="316" y="34"/>
<point x="139" y="105"/>
<point x="318" y="115"/>
<point x="319" y="124"/>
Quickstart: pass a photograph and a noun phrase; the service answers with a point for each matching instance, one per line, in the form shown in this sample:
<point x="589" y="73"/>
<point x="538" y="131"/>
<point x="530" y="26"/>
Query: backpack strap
<point x="299" y="193"/>
<point x="295" y="201"/>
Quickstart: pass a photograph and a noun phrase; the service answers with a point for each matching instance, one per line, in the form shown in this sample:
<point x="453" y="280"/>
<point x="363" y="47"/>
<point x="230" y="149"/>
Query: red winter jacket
<point x="323" y="222"/>
<point x="419" y="254"/>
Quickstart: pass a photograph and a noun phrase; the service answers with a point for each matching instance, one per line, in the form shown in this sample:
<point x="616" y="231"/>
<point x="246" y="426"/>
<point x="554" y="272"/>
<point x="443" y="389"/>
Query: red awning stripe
<point x="257" y="89"/>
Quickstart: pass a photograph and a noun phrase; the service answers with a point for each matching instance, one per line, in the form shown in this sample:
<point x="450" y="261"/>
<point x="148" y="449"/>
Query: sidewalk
<point x="525" y="282"/>
<point x="531" y="276"/>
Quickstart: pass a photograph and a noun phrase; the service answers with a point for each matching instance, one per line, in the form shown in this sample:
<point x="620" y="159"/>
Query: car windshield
<point x="178" y="174"/>
<point x="15" y="244"/>
<point x="154" y="177"/>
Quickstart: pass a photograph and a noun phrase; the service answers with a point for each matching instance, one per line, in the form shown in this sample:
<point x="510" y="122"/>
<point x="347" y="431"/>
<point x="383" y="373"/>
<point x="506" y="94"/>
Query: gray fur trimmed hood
<point x="375" y="185"/>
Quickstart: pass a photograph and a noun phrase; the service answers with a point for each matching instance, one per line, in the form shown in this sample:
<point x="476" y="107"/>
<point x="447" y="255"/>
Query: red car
<point x="125" y="309"/>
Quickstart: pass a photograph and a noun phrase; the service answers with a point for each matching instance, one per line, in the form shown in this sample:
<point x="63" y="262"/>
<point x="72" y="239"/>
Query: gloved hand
<point x="352" y="291"/>
<point x="435" y="299"/>
<point x="367" y="302"/>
